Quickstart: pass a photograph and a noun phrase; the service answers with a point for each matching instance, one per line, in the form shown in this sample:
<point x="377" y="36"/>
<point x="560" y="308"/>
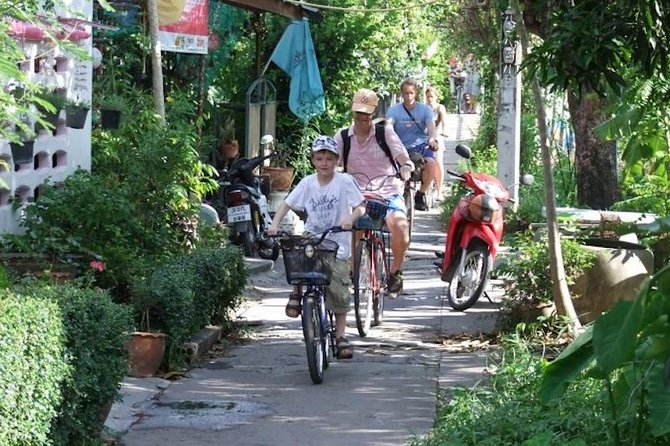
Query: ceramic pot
<point x="281" y="178"/>
<point x="145" y="353"/>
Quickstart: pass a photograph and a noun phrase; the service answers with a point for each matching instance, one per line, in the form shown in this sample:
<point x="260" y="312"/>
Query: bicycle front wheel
<point x="314" y="339"/>
<point x="408" y="195"/>
<point x="381" y="276"/>
<point x="363" y="292"/>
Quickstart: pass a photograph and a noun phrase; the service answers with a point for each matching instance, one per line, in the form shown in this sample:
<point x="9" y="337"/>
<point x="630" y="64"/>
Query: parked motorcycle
<point x="243" y="206"/>
<point x="473" y="235"/>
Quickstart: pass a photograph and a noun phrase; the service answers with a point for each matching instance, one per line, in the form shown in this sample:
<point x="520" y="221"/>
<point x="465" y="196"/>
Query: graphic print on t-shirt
<point x="324" y="208"/>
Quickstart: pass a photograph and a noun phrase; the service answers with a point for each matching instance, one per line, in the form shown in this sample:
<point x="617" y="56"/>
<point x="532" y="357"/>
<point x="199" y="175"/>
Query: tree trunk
<point x="560" y="292"/>
<point x="595" y="159"/>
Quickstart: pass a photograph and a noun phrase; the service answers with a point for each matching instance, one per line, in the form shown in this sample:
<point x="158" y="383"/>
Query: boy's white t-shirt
<point x="326" y="206"/>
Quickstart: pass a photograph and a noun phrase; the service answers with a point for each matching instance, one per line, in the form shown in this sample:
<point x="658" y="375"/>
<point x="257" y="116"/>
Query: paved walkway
<point x="259" y="392"/>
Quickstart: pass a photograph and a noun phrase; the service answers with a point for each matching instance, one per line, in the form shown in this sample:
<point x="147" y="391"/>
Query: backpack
<point x="381" y="140"/>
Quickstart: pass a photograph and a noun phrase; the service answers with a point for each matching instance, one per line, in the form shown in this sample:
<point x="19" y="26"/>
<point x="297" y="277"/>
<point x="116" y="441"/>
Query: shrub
<point x="96" y="330"/>
<point x="32" y="366"/>
<point x="527" y="274"/>
<point x="189" y="292"/>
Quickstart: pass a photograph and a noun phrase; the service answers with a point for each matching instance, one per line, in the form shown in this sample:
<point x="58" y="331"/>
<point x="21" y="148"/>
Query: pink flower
<point x="100" y="266"/>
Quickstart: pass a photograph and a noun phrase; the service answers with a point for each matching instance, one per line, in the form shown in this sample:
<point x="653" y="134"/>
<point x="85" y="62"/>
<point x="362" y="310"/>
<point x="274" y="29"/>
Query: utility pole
<point x="509" y="112"/>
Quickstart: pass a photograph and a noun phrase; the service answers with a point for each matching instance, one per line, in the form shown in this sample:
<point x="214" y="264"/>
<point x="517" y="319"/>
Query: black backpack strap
<point x="346" y="145"/>
<point x="380" y="136"/>
<point x="381" y="140"/>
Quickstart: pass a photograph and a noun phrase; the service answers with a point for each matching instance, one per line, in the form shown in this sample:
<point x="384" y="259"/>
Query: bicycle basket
<point x="376" y="209"/>
<point x="307" y="261"/>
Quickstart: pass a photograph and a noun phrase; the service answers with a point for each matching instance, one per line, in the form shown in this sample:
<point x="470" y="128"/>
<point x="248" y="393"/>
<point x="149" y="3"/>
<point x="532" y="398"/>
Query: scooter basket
<point x="307" y="261"/>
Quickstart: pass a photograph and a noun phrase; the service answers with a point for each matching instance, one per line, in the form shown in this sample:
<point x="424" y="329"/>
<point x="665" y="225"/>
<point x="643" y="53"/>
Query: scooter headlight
<point x="483" y="208"/>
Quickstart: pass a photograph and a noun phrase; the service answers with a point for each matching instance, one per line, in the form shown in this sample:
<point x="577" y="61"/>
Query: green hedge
<point x="32" y="368"/>
<point x="188" y="293"/>
<point x="62" y="360"/>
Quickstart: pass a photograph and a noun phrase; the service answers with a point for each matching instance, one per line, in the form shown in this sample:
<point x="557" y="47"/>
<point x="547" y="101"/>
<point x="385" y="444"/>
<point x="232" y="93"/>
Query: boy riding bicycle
<point x="330" y="199"/>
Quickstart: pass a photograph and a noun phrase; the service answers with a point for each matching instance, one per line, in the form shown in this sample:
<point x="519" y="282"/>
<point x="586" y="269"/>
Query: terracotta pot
<point x="281" y="178"/>
<point x="230" y="149"/>
<point x="145" y="353"/>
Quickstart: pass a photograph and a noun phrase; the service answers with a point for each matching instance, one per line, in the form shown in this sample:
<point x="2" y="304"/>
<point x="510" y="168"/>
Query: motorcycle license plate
<point x="239" y="213"/>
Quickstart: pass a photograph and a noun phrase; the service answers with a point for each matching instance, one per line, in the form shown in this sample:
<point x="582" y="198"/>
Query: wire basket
<point x="308" y="261"/>
<point x="376" y="208"/>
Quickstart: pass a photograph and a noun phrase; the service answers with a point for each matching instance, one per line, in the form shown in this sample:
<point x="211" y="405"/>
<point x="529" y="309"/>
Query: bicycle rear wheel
<point x="381" y="276"/>
<point x="314" y="339"/>
<point x="363" y="292"/>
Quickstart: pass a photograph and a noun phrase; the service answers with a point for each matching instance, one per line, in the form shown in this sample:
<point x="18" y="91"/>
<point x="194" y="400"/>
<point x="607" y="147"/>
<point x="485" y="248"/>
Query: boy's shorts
<point x="396" y="204"/>
<point x="338" y="296"/>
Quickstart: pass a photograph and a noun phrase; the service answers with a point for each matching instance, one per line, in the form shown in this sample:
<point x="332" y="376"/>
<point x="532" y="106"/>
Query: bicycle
<point x="371" y="258"/>
<point x="308" y="262"/>
<point x="411" y="185"/>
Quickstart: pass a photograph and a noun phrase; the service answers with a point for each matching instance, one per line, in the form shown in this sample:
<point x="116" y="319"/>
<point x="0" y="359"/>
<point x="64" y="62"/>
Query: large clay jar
<point x="145" y="353"/>
<point x="619" y="272"/>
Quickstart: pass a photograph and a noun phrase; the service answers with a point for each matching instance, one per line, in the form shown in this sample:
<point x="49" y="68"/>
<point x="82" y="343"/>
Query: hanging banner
<point x="183" y="26"/>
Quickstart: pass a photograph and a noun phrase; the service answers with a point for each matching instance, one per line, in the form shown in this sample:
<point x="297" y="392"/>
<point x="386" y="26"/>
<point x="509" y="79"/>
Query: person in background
<point x="330" y="199"/>
<point x="432" y="100"/>
<point x="367" y="159"/>
<point x="414" y="122"/>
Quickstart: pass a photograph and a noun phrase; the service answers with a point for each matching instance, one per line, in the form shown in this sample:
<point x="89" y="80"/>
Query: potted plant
<point x="76" y="112"/>
<point x="229" y="147"/>
<point x="146" y="347"/>
<point x="280" y="171"/>
<point x="22" y="150"/>
<point x="49" y="103"/>
<point x="111" y="107"/>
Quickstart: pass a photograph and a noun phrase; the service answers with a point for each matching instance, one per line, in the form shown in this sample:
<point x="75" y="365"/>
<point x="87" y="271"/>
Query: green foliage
<point x="648" y="194"/>
<point x="628" y="350"/>
<point x="33" y="366"/>
<point x="527" y="274"/>
<point x="507" y="411"/>
<point x="95" y="332"/>
<point x="189" y="292"/>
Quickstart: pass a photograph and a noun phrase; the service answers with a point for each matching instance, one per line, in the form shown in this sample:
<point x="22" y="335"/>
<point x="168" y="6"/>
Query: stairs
<point x="461" y="129"/>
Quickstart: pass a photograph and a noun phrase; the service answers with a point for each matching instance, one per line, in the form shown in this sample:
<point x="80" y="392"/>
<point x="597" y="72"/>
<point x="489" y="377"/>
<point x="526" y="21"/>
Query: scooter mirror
<point x="267" y="139"/>
<point x="464" y="151"/>
<point x="527" y="179"/>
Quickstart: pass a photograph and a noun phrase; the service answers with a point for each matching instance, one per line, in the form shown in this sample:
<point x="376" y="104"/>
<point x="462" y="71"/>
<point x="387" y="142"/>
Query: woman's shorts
<point x="338" y="296"/>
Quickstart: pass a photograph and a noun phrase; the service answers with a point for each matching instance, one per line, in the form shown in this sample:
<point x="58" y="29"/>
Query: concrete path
<point x="259" y="392"/>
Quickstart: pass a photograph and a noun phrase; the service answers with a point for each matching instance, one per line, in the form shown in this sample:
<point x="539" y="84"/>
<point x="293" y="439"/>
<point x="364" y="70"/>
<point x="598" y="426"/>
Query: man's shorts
<point x="423" y="149"/>
<point x="338" y="295"/>
<point x="396" y="204"/>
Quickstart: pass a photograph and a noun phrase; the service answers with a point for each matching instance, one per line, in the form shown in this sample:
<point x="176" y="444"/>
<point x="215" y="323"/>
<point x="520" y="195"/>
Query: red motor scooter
<point x="474" y="234"/>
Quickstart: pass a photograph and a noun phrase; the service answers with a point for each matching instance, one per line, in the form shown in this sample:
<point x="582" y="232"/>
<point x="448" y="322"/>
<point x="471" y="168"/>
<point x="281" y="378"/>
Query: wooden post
<point x="156" y="62"/>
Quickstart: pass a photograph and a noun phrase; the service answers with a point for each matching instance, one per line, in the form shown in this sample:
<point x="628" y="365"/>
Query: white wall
<point x="55" y="156"/>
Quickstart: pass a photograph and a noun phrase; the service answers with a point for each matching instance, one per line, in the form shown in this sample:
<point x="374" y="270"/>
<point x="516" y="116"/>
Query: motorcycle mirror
<point x="464" y="151"/>
<point x="267" y="139"/>
<point x="527" y="179"/>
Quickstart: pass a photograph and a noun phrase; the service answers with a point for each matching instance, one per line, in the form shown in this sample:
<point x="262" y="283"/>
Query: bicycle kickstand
<point x="488" y="297"/>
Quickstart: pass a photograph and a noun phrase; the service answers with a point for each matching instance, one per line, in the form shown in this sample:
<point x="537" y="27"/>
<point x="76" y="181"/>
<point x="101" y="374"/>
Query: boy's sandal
<point x="344" y="349"/>
<point x="293" y="307"/>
